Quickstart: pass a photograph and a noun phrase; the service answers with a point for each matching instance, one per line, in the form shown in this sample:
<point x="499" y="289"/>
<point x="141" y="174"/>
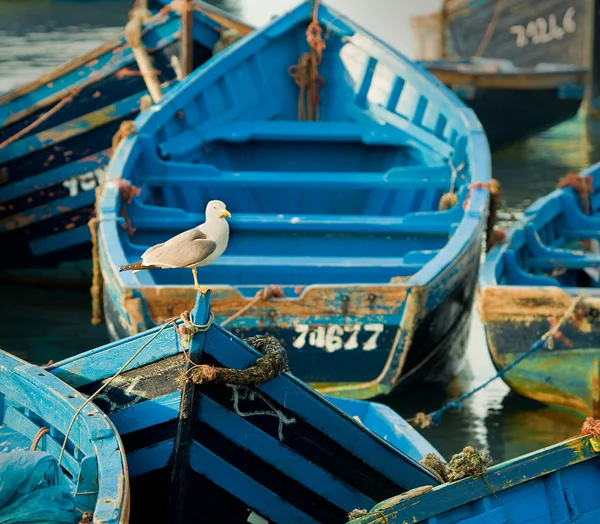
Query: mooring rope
<point x="306" y="72"/>
<point x="423" y="420"/>
<point x="584" y="185"/>
<point x="263" y="294"/>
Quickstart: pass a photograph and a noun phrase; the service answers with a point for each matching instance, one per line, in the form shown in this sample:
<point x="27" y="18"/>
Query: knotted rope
<point x="188" y="329"/>
<point x="423" y="420"/>
<point x="306" y="72"/>
<point x="263" y="294"/>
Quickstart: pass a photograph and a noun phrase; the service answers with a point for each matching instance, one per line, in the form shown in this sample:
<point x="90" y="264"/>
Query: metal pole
<point x="187" y="41"/>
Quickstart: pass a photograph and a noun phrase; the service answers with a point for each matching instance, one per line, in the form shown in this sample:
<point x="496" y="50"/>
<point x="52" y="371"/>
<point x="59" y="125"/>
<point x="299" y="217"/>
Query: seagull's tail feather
<point x="136" y="266"/>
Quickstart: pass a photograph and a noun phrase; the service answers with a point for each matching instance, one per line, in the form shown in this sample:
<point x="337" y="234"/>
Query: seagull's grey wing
<point x="186" y="249"/>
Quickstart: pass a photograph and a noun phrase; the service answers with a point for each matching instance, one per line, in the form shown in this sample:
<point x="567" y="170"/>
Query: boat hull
<point x="49" y="175"/>
<point x="567" y="375"/>
<point x="555" y="484"/>
<point x="356" y="355"/>
<point x="511" y="106"/>
<point x="554" y="31"/>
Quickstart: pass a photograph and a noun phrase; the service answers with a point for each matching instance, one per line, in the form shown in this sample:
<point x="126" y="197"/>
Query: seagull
<point x="193" y="248"/>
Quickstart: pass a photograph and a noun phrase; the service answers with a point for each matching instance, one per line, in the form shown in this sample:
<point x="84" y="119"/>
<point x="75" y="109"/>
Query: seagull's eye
<point x="214" y="207"/>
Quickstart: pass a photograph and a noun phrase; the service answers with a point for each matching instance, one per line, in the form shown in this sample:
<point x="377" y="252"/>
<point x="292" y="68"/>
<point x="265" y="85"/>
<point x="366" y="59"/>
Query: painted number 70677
<point x="334" y="337"/>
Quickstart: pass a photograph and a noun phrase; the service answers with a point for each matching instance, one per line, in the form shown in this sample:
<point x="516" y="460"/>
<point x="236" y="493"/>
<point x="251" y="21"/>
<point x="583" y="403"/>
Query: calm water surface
<point x="43" y="324"/>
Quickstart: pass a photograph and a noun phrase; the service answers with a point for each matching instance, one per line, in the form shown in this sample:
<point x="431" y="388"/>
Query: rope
<point x="423" y="420"/>
<point x="96" y="289"/>
<point x="105" y="385"/>
<point x="449" y="199"/>
<point x="126" y="128"/>
<point x="584" y="185"/>
<point x="38" y="436"/>
<point x="189" y="329"/>
<point x="305" y="73"/>
<point x="67" y="99"/>
<point x="263" y="294"/>
<point x="490" y="28"/>
<point x="127" y="192"/>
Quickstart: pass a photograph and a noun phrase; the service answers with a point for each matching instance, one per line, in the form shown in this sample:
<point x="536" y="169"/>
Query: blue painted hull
<point x="278" y="449"/>
<point x="92" y="466"/>
<point x="530" y="282"/>
<point x="50" y="174"/>
<point x="342" y="215"/>
<point x="553" y="485"/>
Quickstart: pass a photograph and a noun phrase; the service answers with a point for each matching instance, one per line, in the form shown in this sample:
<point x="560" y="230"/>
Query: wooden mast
<point x="187" y="41"/>
<point x="180" y="459"/>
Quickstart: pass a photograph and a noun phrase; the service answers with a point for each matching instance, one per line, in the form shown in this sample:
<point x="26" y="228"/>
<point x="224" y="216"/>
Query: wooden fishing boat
<point x="215" y="429"/>
<point x="366" y="224"/>
<point x="513" y="103"/>
<point x="36" y="412"/>
<point x="558" y="31"/>
<point x="547" y="272"/>
<point x="553" y="485"/>
<point x="56" y="133"/>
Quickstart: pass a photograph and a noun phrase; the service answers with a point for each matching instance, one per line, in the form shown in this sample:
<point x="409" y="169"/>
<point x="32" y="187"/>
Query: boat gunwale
<point x="69" y="66"/>
<point x="477" y="148"/>
<point x="109" y="501"/>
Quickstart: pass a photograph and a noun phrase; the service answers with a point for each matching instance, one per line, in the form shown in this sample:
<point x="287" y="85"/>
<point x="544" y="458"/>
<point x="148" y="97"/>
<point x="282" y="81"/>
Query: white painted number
<point x="331" y="338"/>
<point x="541" y="31"/>
<point x="84" y="182"/>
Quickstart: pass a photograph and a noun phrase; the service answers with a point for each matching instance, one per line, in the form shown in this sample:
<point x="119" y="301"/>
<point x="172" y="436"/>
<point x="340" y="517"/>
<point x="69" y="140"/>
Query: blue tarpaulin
<point x="34" y="491"/>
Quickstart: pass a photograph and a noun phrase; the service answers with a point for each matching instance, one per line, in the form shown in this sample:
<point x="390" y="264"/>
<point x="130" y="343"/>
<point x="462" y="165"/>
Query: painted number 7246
<point x="334" y="337"/>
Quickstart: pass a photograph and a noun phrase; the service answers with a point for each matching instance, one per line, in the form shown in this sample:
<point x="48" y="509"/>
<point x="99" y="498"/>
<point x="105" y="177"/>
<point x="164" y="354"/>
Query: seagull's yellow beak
<point x="224" y="213"/>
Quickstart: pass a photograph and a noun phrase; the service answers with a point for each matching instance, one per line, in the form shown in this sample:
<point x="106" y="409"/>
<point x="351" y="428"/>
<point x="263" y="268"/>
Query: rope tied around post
<point x="263" y="294"/>
<point x="188" y="329"/>
<point x="424" y="420"/>
<point x="306" y="72"/>
<point x="450" y="199"/>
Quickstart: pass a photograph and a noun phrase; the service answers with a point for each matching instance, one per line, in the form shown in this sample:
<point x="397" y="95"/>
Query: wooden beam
<point x="187" y="38"/>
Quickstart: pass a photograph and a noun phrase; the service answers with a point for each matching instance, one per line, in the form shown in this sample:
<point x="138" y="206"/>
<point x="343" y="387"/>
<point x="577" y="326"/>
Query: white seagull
<point x="193" y="248"/>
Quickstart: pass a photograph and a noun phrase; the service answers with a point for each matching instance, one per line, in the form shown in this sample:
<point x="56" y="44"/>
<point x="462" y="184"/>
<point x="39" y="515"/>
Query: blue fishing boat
<point x="357" y="216"/>
<point x="554" y="485"/>
<point x="216" y="428"/>
<point x="544" y="280"/>
<point x="513" y="103"/>
<point x="57" y="133"/>
<point x="60" y="457"/>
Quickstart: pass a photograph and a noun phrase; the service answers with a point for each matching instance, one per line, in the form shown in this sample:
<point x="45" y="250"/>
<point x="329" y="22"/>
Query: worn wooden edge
<point x="500" y="80"/>
<point x="499" y="304"/>
<point x="163" y="302"/>
<point x="506" y="475"/>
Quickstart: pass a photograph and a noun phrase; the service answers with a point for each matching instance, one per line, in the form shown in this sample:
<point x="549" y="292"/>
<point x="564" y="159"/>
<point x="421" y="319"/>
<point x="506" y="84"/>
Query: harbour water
<point x="40" y="324"/>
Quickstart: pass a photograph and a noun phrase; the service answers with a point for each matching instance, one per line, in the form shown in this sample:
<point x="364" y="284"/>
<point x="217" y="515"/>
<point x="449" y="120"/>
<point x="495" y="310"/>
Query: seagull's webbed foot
<point x="202" y="290"/>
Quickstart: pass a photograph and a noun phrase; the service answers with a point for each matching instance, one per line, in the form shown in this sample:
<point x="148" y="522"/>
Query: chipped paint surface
<point x="517" y="316"/>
